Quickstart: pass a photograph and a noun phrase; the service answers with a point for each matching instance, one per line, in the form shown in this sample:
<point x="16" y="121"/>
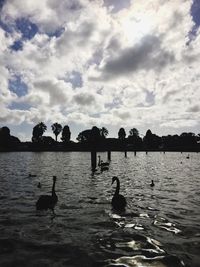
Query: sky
<point x="109" y="63"/>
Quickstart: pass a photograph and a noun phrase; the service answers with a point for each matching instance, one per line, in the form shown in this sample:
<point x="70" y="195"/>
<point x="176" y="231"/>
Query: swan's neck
<point x="53" y="189"/>
<point x="117" y="187"/>
<point x="99" y="163"/>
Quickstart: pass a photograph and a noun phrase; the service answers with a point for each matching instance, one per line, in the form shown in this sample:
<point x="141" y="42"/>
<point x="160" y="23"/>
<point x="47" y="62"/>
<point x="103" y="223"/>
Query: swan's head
<point x="114" y="179"/>
<point x="152" y="183"/>
<point x="54" y="178"/>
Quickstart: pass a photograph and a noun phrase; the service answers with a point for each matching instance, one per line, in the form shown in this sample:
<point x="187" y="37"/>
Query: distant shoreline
<point x="79" y="149"/>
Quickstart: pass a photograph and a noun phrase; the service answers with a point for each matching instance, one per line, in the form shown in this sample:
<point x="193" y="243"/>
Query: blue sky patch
<point x="17" y="45"/>
<point x="17" y="86"/>
<point x="195" y="12"/>
<point x="75" y="78"/>
<point x="19" y="106"/>
<point x="1" y="3"/>
<point x="26" y="27"/>
<point x="150" y="97"/>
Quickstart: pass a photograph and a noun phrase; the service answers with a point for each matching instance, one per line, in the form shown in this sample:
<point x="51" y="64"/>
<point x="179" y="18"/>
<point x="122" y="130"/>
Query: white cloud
<point x="137" y="65"/>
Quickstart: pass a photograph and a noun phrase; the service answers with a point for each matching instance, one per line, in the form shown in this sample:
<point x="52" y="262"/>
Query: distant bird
<point x="152" y="183"/>
<point x="32" y="175"/>
<point x="118" y="201"/>
<point x="39" y="185"/>
<point x="48" y="201"/>
<point x="101" y="163"/>
<point x="187" y="157"/>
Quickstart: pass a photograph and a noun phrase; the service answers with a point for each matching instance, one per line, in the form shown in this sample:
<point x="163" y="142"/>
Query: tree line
<point x="97" y="137"/>
<point x="40" y="128"/>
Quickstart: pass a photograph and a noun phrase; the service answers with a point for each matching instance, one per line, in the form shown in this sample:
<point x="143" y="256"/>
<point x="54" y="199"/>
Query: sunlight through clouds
<point x="100" y="63"/>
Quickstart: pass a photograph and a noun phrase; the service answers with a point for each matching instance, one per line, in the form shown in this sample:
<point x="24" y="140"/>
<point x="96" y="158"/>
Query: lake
<point x="160" y="227"/>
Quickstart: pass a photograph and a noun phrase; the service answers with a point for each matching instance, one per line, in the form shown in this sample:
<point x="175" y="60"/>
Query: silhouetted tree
<point x="56" y="128"/>
<point x="4" y="132"/>
<point x="66" y="134"/>
<point x="7" y="140"/>
<point x="84" y="136"/>
<point x="198" y="138"/>
<point x="95" y="134"/>
<point x="152" y="141"/>
<point x="188" y="139"/>
<point x="134" y="138"/>
<point x="134" y="132"/>
<point x="103" y="132"/>
<point x="171" y="141"/>
<point x="38" y="131"/>
<point x="91" y="136"/>
<point x="121" y="134"/>
<point x="47" y="140"/>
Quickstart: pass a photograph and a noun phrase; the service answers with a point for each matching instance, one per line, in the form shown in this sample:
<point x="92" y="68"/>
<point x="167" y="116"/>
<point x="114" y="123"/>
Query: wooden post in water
<point x="125" y="153"/>
<point x="109" y="155"/>
<point x="146" y="152"/>
<point x="93" y="160"/>
<point x="135" y="153"/>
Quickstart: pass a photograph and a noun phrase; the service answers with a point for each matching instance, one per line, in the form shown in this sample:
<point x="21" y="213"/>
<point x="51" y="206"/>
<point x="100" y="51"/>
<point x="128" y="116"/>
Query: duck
<point x="187" y="157"/>
<point x="152" y="183"/>
<point x="118" y="200"/>
<point x="48" y="201"/>
<point x="32" y="175"/>
<point x="39" y="185"/>
<point x="101" y="163"/>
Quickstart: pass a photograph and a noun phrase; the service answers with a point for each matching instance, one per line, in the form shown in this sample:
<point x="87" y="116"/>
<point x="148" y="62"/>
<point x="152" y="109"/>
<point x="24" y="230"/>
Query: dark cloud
<point x="147" y="54"/>
<point x="84" y="99"/>
<point x="195" y="108"/>
<point x="169" y="94"/>
<point x="117" y="5"/>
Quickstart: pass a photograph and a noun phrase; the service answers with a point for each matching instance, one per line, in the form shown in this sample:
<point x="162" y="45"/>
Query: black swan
<point x="48" y="201"/>
<point x="101" y="163"/>
<point x="118" y="201"/>
<point x="152" y="183"/>
<point x="104" y="168"/>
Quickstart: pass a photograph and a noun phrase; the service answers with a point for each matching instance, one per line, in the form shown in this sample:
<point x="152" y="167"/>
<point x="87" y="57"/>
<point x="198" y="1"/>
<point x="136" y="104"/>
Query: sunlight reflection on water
<point x="159" y="227"/>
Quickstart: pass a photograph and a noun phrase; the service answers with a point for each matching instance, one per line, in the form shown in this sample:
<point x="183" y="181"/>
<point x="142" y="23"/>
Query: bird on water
<point x="118" y="200"/>
<point x="152" y="183"/>
<point x="32" y="175"/>
<point x="104" y="168"/>
<point x="101" y="163"/>
<point x="48" y="201"/>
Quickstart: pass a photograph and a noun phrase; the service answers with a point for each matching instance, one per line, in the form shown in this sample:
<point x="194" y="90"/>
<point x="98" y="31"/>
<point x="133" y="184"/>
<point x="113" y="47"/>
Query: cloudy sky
<point x="111" y="63"/>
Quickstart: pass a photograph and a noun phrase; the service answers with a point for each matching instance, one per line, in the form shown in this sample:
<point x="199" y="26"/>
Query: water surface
<point x="160" y="227"/>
